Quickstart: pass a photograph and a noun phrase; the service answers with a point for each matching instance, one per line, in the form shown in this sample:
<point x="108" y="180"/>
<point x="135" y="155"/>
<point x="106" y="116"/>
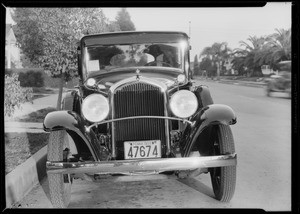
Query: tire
<point x="60" y="191"/>
<point x="268" y="92"/>
<point x="223" y="178"/>
<point x="268" y="89"/>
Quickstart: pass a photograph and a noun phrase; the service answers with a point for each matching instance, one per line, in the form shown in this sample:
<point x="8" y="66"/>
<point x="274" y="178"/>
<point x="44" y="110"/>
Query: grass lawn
<point x="253" y="79"/>
<point x="20" y="146"/>
<point x="37" y="116"/>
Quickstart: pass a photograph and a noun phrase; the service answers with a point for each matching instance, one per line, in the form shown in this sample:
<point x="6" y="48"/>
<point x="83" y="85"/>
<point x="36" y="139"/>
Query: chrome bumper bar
<point x="141" y="165"/>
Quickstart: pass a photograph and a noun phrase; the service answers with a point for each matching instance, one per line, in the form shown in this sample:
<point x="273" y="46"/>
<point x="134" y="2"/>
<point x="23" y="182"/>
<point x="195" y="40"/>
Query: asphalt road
<point x="263" y="144"/>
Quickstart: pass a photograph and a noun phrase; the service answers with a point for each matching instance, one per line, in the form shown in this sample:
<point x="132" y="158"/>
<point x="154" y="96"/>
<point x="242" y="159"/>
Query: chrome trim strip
<point x="141" y="165"/>
<point x="113" y="142"/>
<point x="139" y="117"/>
<point x="167" y="132"/>
<point x="141" y="79"/>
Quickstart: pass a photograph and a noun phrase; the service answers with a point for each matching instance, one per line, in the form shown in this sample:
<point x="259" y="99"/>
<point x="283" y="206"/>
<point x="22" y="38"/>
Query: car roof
<point x="133" y="37"/>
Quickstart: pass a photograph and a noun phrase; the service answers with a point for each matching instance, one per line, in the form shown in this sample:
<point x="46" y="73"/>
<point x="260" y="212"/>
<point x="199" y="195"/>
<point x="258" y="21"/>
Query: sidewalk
<point x="12" y="125"/>
<point x="21" y="180"/>
<point x="40" y="103"/>
<point x="15" y="126"/>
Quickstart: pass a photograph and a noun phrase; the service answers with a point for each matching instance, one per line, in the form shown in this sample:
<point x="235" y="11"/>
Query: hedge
<point x="48" y="81"/>
<point x="31" y="79"/>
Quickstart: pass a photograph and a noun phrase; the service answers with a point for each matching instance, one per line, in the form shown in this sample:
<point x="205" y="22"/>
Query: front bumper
<point x="142" y="165"/>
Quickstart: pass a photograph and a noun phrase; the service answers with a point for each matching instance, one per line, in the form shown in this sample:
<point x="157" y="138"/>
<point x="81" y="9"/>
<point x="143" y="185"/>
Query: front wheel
<point x="59" y="184"/>
<point x="223" y="178"/>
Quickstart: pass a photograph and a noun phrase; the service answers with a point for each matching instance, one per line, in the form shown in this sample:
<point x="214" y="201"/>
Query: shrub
<point x="31" y="79"/>
<point x="14" y="94"/>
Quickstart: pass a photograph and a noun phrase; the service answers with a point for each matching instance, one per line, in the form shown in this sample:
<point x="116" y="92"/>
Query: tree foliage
<point x="58" y="31"/>
<point x="196" y="65"/>
<point x="124" y="20"/>
<point x="15" y="95"/>
<point x="252" y="54"/>
<point x="218" y="53"/>
<point x="268" y="50"/>
<point x="278" y="47"/>
<point x="208" y="65"/>
<point x="27" y="32"/>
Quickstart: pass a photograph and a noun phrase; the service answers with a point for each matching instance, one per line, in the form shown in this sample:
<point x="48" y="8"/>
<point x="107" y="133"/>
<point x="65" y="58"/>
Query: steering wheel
<point x="154" y="63"/>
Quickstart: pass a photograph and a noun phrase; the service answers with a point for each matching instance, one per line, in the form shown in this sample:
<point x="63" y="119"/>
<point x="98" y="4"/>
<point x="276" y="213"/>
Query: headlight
<point x="183" y="103"/>
<point x="95" y="107"/>
<point x="91" y="82"/>
<point x="181" y="78"/>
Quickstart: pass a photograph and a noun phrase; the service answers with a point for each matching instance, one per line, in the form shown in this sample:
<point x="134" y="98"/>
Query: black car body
<point x="137" y="111"/>
<point x="281" y="82"/>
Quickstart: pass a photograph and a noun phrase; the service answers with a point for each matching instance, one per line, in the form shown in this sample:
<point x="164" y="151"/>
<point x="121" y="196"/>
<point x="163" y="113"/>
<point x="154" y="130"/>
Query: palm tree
<point x="280" y="44"/>
<point x="218" y="52"/>
<point x="277" y="48"/>
<point x="238" y="63"/>
<point x="251" y="53"/>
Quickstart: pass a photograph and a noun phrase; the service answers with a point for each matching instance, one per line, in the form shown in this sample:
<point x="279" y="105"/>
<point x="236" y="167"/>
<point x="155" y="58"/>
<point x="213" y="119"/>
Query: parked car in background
<point x="280" y="82"/>
<point x="135" y="112"/>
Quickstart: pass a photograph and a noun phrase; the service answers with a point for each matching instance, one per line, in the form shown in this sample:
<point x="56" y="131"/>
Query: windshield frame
<point x="120" y="56"/>
<point x="130" y="39"/>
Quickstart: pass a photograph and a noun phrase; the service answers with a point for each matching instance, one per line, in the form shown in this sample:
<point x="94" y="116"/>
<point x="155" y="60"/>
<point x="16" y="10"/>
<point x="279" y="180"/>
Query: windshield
<point x="107" y="57"/>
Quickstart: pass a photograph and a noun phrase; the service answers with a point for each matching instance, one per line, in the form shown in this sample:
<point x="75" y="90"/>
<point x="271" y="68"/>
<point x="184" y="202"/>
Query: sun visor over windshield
<point x="133" y="38"/>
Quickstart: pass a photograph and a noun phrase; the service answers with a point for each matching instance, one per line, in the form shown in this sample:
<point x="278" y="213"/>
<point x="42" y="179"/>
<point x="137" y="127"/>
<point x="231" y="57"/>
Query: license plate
<point x="142" y="149"/>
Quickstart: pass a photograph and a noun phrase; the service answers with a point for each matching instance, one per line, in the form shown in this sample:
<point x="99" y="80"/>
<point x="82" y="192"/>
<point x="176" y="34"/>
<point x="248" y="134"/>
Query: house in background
<point x="266" y="70"/>
<point x="12" y="52"/>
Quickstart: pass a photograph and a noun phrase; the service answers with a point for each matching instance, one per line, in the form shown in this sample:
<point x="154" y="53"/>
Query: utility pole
<point x="190" y="29"/>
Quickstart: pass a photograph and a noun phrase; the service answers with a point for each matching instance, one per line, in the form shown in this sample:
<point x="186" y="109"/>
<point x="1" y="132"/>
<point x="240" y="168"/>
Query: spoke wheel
<point x="223" y="178"/>
<point x="59" y="184"/>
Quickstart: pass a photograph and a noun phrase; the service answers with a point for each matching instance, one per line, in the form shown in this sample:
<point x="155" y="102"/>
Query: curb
<point x="24" y="177"/>
<point x="251" y="84"/>
<point x="236" y="82"/>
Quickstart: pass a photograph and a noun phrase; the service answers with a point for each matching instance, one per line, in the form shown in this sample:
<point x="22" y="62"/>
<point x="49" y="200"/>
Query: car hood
<point x="165" y="75"/>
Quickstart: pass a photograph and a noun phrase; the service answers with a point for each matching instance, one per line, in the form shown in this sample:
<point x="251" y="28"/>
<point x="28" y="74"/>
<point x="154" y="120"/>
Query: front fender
<point x="69" y="121"/>
<point x="207" y="116"/>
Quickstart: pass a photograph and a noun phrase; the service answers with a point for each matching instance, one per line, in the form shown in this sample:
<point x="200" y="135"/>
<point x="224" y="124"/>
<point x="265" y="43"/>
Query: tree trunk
<point x="258" y="72"/>
<point x="218" y="70"/>
<point x="61" y="85"/>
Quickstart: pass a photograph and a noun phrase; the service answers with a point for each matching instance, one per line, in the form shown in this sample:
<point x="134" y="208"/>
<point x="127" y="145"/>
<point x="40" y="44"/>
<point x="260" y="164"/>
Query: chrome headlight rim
<point x="86" y="113"/>
<point x="180" y="94"/>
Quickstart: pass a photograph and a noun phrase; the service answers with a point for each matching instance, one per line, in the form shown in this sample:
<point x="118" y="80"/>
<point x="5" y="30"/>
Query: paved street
<point x="263" y="144"/>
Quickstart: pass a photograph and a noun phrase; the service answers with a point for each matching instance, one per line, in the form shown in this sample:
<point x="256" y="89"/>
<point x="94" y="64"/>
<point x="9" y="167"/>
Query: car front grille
<point x="138" y="99"/>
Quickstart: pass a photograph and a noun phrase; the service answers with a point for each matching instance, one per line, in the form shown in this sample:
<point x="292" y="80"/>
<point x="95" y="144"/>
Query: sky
<point x="208" y="25"/>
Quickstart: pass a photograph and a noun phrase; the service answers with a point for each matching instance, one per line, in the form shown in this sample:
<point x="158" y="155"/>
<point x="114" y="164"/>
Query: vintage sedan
<point x="280" y="82"/>
<point x="137" y="112"/>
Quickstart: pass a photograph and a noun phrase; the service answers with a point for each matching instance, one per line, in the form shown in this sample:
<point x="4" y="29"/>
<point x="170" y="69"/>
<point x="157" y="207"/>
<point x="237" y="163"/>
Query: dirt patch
<point x="21" y="146"/>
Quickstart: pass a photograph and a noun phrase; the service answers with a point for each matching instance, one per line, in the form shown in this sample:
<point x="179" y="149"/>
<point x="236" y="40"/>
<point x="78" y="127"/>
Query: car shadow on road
<point x="198" y="186"/>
